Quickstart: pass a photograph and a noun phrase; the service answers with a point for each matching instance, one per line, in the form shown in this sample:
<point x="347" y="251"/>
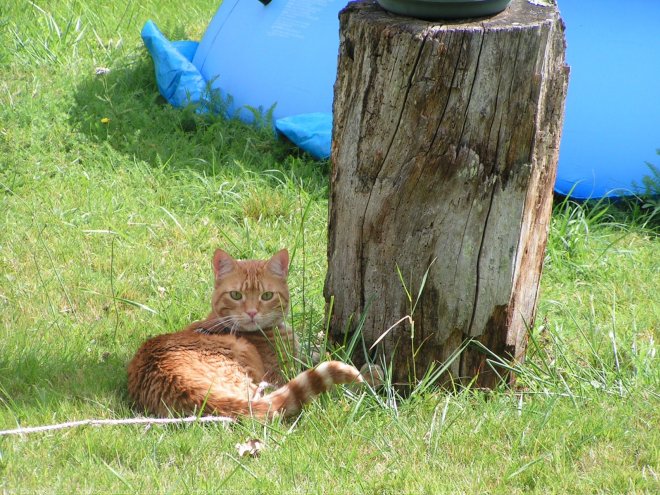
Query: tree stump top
<point x="521" y="13"/>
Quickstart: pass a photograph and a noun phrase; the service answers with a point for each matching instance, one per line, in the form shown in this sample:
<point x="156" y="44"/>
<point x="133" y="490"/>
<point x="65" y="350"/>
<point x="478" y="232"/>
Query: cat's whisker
<point x="219" y="323"/>
<point x="215" y="325"/>
<point x="223" y="321"/>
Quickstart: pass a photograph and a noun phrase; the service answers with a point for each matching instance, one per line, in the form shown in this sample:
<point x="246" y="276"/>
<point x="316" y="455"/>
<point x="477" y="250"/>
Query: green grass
<point x="106" y="237"/>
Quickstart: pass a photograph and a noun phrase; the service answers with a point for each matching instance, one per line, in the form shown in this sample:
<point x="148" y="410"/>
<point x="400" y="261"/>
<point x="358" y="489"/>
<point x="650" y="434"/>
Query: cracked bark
<point x="445" y="146"/>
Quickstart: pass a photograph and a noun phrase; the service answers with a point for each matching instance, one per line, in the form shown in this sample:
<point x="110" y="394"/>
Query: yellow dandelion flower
<point x="105" y="120"/>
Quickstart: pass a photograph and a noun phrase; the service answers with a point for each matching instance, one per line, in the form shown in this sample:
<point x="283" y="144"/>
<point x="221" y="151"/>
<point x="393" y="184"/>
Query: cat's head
<point x="250" y="295"/>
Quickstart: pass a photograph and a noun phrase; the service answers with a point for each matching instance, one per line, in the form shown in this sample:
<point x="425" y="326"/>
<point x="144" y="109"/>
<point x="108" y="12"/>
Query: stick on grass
<point x="114" y="422"/>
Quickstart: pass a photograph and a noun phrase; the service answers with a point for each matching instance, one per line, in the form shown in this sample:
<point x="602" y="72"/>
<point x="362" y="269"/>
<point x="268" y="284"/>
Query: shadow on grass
<point x="124" y="109"/>
<point x="40" y="381"/>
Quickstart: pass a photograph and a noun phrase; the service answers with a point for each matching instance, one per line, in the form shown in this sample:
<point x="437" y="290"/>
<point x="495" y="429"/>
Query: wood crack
<point x="474" y="80"/>
<point x="481" y="248"/>
<point x="382" y="165"/>
<point x="460" y="249"/>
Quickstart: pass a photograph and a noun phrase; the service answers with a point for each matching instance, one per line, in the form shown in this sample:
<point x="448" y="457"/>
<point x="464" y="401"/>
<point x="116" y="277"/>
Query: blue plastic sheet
<point x="309" y="131"/>
<point x="178" y="79"/>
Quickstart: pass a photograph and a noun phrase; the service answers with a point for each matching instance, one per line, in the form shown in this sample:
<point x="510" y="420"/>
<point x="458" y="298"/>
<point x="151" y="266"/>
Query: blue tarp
<point x="178" y="79"/>
<point x="310" y="131"/>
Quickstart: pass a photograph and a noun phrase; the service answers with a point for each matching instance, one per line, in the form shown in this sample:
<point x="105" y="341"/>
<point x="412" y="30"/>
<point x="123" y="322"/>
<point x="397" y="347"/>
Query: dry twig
<point x="113" y="422"/>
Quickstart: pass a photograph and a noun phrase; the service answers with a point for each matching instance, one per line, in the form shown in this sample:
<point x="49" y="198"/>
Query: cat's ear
<point x="222" y="263"/>
<point x="279" y="263"/>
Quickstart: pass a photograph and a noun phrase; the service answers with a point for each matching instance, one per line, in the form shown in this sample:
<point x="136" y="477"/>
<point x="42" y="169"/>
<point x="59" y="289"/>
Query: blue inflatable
<point x="612" y="121"/>
<point x="283" y="56"/>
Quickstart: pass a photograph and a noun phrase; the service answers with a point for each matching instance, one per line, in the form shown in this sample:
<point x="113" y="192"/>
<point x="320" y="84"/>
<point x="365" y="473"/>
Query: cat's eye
<point x="266" y="296"/>
<point x="235" y="295"/>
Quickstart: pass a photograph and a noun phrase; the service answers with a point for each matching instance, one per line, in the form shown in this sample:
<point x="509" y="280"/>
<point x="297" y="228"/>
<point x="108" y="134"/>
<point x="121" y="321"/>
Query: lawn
<point x="111" y="204"/>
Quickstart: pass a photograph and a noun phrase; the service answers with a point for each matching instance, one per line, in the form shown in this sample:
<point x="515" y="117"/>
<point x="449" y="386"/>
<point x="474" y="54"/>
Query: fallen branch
<point x="112" y="422"/>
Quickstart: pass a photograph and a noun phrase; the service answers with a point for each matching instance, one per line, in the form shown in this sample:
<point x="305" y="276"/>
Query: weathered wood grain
<point x="445" y="146"/>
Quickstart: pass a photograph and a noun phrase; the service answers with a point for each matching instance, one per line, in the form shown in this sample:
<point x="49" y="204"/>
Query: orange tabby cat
<point x="223" y="363"/>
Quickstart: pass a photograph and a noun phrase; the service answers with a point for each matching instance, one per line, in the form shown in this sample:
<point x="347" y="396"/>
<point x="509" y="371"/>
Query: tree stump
<point x="444" y="154"/>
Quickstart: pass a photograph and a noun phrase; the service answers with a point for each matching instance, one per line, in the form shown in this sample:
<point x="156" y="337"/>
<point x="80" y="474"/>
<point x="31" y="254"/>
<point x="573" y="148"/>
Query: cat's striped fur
<point x="218" y="364"/>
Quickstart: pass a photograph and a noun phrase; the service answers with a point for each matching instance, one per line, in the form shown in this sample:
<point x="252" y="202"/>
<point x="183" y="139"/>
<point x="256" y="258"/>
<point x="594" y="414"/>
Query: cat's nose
<point x="251" y="313"/>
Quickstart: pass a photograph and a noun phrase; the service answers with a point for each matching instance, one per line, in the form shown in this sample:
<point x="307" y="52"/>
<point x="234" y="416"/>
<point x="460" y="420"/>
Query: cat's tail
<point x="290" y="398"/>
